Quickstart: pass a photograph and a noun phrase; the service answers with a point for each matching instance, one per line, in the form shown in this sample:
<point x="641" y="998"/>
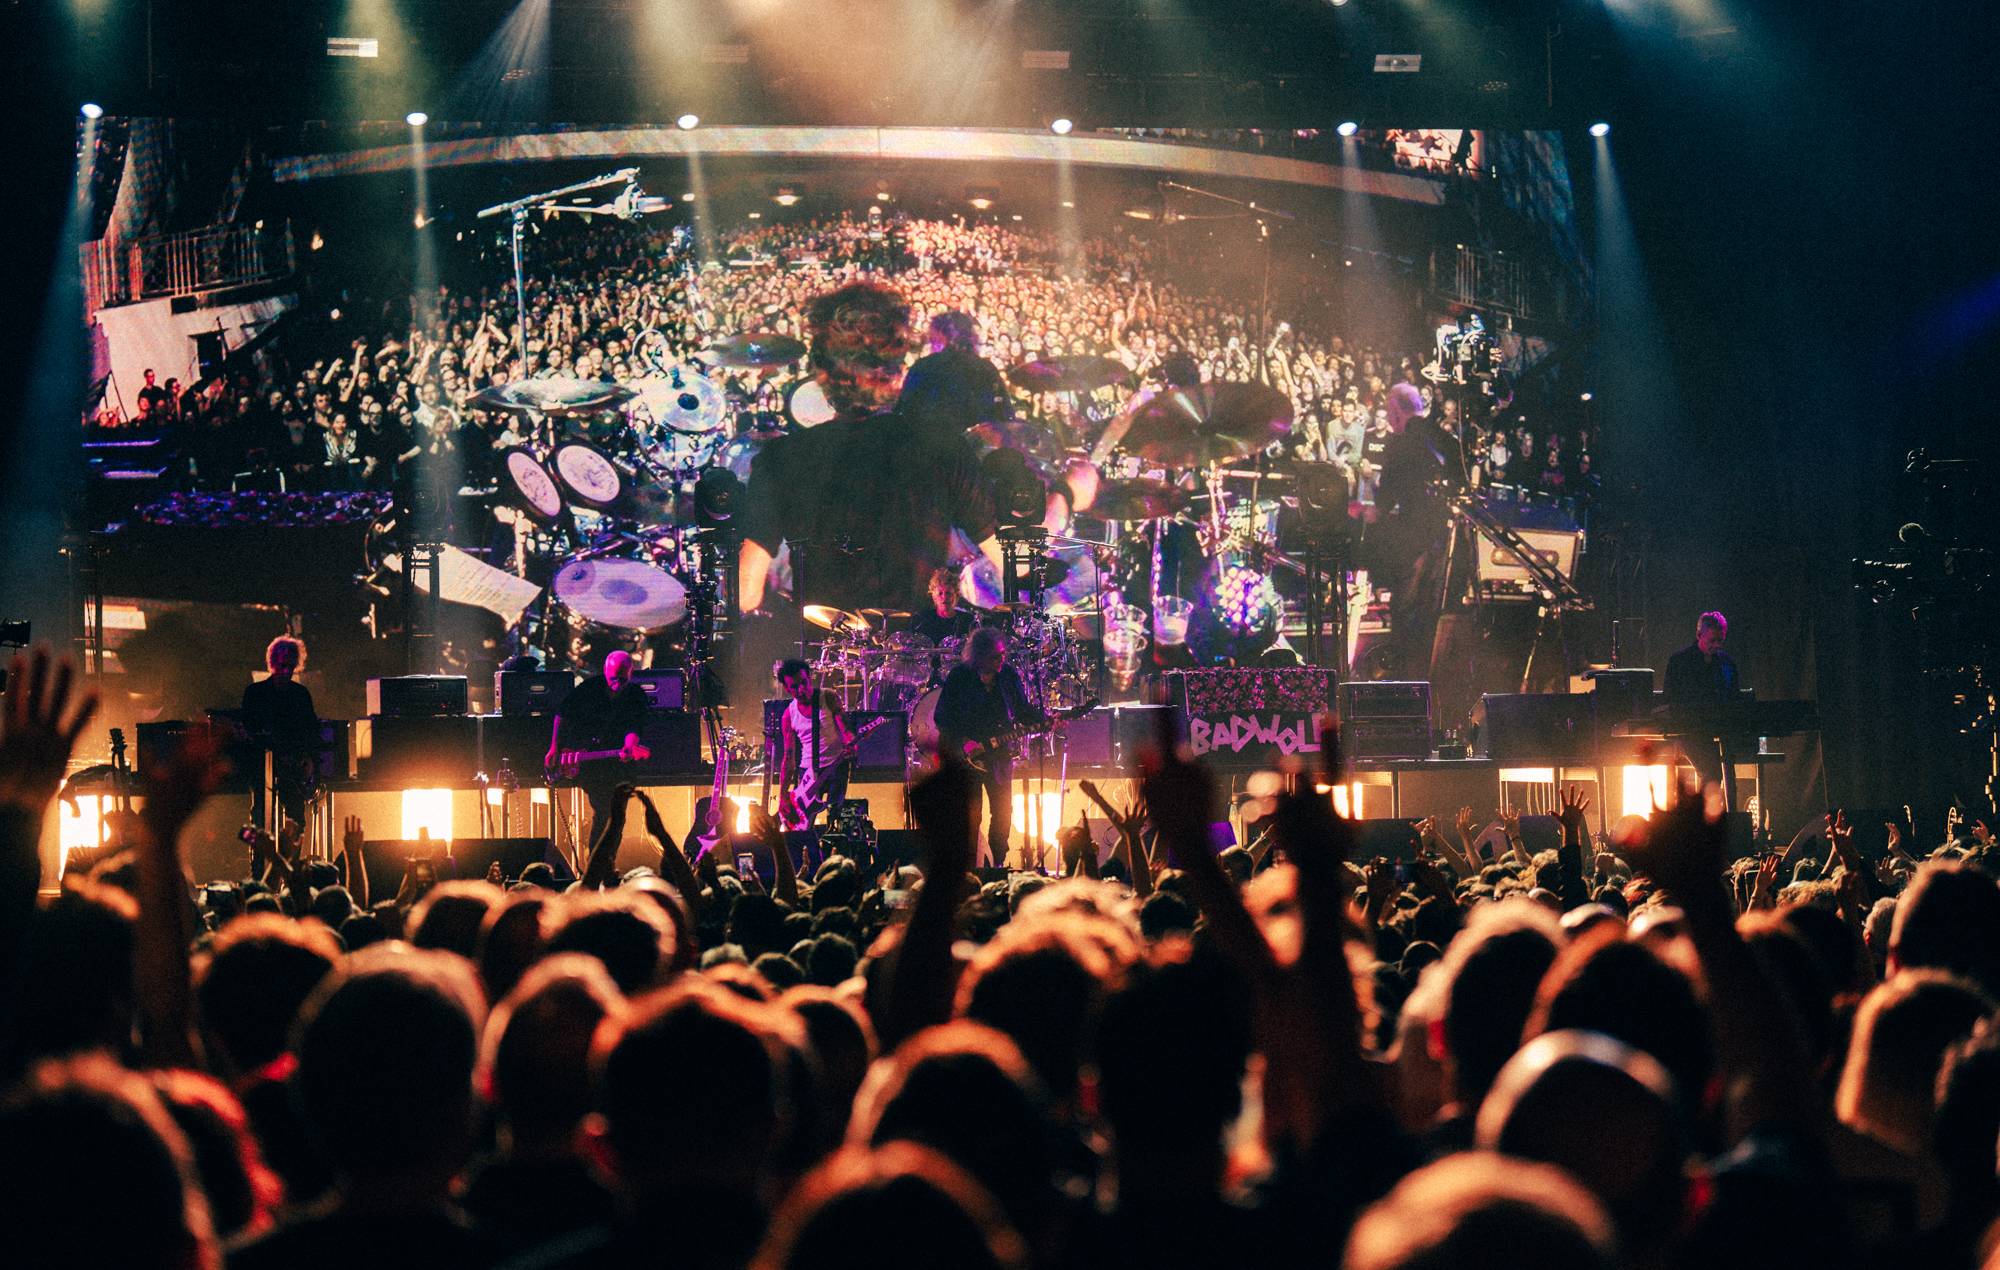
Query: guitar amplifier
<point x="416" y="696"/>
<point x="674" y="737"/>
<point x="665" y="689"/>
<point x="885" y="748"/>
<point x="529" y="692"/>
<point x="416" y="751"/>
<point x="1386" y="718"/>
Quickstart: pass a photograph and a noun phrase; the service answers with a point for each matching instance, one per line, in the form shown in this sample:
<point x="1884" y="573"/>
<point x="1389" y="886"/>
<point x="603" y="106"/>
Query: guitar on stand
<point x="711" y="817"/>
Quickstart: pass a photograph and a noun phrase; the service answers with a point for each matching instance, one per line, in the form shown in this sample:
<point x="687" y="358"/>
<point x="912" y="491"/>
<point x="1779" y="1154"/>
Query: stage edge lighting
<point x="91" y="110"/>
<point x="688" y="123"/>
<point x="416" y="119"/>
<point x="1061" y="127"/>
<point x="1600" y="129"/>
<point x="1347" y="128"/>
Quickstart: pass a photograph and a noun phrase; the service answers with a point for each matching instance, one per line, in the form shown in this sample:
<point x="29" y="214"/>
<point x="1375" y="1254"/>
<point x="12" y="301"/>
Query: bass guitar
<point x="570" y="762"/>
<point x="802" y="806"/>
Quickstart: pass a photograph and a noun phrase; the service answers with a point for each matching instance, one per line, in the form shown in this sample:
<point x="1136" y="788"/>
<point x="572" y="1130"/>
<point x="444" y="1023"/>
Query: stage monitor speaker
<point x="386" y="860"/>
<point x="1390" y="837"/>
<point x="529" y="692"/>
<point x="665" y="689"/>
<point x="407" y="696"/>
<point x="419" y="752"/>
<point x="674" y="737"/>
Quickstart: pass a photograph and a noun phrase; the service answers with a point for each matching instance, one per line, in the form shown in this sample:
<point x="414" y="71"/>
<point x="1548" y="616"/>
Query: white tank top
<point x="799" y="723"/>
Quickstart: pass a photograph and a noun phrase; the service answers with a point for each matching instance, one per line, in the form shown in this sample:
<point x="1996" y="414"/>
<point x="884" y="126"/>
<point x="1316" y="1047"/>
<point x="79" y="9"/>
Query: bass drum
<point x="923" y="722"/>
<point x="597" y="605"/>
<point x="806" y="404"/>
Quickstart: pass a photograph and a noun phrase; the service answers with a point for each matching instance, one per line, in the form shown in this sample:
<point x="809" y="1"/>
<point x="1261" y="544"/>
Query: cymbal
<point x="1141" y="498"/>
<point x="1189" y="427"/>
<point x="879" y="616"/>
<point x="1023" y="436"/>
<point x="756" y="348"/>
<point x="552" y="396"/>
<point x="829" y="618"/>
<point x="681" y="401"/>
<point x="1082" y="373"/>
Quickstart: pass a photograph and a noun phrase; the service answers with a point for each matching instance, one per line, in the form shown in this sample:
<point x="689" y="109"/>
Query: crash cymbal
<point x="552" y="396"/>
<point x="829" y="618"/>
<point x="1081" y="373"/>
<point x="1141" y="498"/>
<point x="880" y="617"/>
<point x="682" y="401"/>
<point x="1191" y="427"/>
<point x="756" y="348"/>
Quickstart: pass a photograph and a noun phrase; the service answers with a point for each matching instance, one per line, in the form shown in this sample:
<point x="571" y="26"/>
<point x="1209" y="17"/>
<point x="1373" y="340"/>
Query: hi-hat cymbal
<point x="1188" y="427"/>
<point x="1141" y="498"/>
<point x="1080" y="373"/>
<point x="552" y="396"/>
<point x="756" y="348"/>
<point x="683" y="401"/>
<point x="829" y="618"/>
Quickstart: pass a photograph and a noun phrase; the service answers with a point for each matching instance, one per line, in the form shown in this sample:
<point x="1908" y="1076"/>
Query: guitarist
<point x="818" y="749"/>
<point x="602" y="714"/>
<point x="983" y="702"/>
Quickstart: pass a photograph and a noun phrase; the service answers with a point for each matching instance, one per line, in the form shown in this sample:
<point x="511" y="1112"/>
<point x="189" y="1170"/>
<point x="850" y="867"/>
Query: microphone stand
<point x="517" y="213"/>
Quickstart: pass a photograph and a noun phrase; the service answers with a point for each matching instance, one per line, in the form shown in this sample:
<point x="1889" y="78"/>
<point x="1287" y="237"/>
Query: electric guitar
<point x="996" y="746"/>
<point x="807" y="799"/>
<point x="569" y="762"/>
<point x="713" y="828"/>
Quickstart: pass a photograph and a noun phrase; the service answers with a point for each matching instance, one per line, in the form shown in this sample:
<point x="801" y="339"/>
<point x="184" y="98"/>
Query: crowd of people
<point x="1494" y="1051"/>
<point x="366" y="398"/>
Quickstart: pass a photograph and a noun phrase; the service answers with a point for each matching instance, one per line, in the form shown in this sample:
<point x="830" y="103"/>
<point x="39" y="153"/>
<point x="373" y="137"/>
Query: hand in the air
<point x="45" y="714"/>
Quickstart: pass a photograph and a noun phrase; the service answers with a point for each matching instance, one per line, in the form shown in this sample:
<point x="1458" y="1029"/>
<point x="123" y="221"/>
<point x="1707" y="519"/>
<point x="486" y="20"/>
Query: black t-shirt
<point x="875" y="500"/>
<point x="954" y="389"/>
<point x="1694" y="677"/>
<point x="280" y="712"/>
<point x="594" y="719"/>
<point x="970" y="710"/>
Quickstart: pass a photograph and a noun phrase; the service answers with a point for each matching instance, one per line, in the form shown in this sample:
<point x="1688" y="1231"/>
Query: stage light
<point x="539" y="796"/>
<point x="874" y="209"/>
<point x="687" y="196"/>
<point x="1600" y="129"/>
<point x="756" y="216"/>
<point x="1644" y="788"/>
<point x="1061" y="127"/>
<point x="1017" y="216"/>
<point x="1069" y="203"/>
<point x="1347" y="128"/>
<point x="787" y="195"/>
<point x="742" y="812"/>
<point x="688" y="123"/>
<point x="1139" y="213"/>
<point x="416" y="119"/>
<point x="419" y="221"/>
<point x="317" y="241"/>
<point x="427" y="813"/>
<point x="1584" y="397"/>
<point x="495" y="795"/>
<point x="1038" y="824"/>
<point x="82" y="825"/>
<point x="882" y="195"/>
<point x="1527" y="776"/>
<point x="91" y="110"/>
<point x="981" y="203"/>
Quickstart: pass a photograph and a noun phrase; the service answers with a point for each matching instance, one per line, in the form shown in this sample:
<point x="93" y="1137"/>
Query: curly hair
<point x="860" y="338"/>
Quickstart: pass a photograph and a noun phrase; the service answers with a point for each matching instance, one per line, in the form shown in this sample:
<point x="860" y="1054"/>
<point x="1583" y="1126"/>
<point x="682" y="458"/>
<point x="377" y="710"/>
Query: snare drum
<point x="587" y="475"/>
<point x="598" y="605"/>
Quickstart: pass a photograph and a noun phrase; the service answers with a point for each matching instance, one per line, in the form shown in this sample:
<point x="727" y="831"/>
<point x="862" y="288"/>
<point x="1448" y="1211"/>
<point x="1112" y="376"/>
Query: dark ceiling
<point x="1269" y="63"/>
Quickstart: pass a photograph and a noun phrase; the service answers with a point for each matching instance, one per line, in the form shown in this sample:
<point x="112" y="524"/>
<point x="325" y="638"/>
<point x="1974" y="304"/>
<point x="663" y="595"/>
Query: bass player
<point x="818" y="749"/>
<point x="596" y="734"/>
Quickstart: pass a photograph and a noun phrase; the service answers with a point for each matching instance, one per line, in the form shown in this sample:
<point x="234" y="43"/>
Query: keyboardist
<point x="1699" y="674"/>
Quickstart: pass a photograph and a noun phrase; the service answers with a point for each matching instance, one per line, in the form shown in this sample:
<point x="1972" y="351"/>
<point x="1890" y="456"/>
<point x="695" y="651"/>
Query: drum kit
<point x="621" y="491"/>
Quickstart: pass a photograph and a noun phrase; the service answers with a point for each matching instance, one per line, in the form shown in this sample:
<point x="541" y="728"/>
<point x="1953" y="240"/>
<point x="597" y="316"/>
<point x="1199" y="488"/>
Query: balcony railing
<point x="189" y="263"/>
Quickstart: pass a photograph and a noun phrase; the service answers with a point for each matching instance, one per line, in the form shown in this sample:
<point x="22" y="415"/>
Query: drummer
<point x="953" y="387"/>
<point x="868" y="500"/>
<point x="942" y="618"/>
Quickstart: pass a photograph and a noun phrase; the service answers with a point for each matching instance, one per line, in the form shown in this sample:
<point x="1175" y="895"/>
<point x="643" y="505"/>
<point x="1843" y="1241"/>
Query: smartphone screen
<point x="746" y="864"/>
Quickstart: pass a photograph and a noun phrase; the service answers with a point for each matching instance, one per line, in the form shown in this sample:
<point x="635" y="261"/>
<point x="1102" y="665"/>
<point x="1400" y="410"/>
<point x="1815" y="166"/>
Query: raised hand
<point x="45" y="714"/>
<point x="1763" y="892"/>
<point x="352" y="838"/>
<point x="1573" y="804"/>
<point x="1681" y="848"/>
<point x="1464" y="822"/>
